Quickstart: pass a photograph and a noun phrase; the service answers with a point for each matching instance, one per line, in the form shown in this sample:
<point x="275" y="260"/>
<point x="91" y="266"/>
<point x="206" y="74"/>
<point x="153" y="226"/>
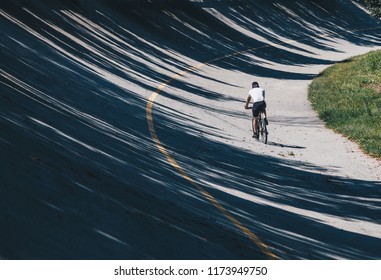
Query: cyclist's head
<point x="255" y="84"/>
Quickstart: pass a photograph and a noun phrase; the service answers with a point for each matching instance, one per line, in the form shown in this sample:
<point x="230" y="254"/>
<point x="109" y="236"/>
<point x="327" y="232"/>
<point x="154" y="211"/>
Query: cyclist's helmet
<point x="255" y="84"/>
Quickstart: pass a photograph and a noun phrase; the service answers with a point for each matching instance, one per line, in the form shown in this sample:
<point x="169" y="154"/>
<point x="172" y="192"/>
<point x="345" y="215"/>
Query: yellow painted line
<point x="261" y="245"/>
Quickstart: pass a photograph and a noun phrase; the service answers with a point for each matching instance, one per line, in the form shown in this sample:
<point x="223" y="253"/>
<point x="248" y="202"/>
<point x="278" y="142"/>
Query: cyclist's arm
<point x="247" y="102"/>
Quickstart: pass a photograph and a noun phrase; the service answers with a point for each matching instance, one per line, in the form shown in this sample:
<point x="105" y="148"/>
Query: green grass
<point x="347" y="96"/>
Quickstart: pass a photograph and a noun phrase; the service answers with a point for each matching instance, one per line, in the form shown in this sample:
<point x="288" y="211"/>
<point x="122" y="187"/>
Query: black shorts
<point x="258" y="107"/>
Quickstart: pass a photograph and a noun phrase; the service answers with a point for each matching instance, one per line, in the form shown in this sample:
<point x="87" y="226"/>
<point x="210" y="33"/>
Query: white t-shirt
<point x="257" y="94"/>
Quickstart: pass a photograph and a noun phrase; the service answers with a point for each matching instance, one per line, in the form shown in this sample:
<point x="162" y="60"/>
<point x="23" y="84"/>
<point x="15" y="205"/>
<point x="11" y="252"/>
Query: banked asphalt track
<point x="83" y="175"/>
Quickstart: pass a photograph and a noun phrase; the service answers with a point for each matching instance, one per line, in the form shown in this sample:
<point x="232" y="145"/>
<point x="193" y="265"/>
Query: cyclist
<point x="257" y="94"/>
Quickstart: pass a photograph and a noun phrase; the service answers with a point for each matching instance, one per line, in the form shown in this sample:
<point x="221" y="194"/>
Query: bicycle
<point x="260" y="131"/>
<point x="261" y="128"/>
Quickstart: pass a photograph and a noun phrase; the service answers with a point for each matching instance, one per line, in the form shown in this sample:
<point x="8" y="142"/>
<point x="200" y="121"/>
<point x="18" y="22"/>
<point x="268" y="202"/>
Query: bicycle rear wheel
<point x="263" y="133"/>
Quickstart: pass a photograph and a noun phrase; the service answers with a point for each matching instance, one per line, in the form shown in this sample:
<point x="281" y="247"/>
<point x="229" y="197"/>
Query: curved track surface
<point x="123" y="133"/>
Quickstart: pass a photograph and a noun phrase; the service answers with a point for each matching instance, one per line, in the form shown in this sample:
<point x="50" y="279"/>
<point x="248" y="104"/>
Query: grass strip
<point x="347" y="97"/>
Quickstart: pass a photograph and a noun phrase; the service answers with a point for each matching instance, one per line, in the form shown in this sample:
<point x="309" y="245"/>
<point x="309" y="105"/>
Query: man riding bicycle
<point x="257" y="94"/>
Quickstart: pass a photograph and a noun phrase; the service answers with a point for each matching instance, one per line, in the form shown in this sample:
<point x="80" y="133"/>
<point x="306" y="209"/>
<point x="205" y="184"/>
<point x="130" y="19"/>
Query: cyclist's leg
<point x="255" y="115"/>
<point x="264" y="112"/>
<point x="254" y="125"/>
<point x="264" y="108"/>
